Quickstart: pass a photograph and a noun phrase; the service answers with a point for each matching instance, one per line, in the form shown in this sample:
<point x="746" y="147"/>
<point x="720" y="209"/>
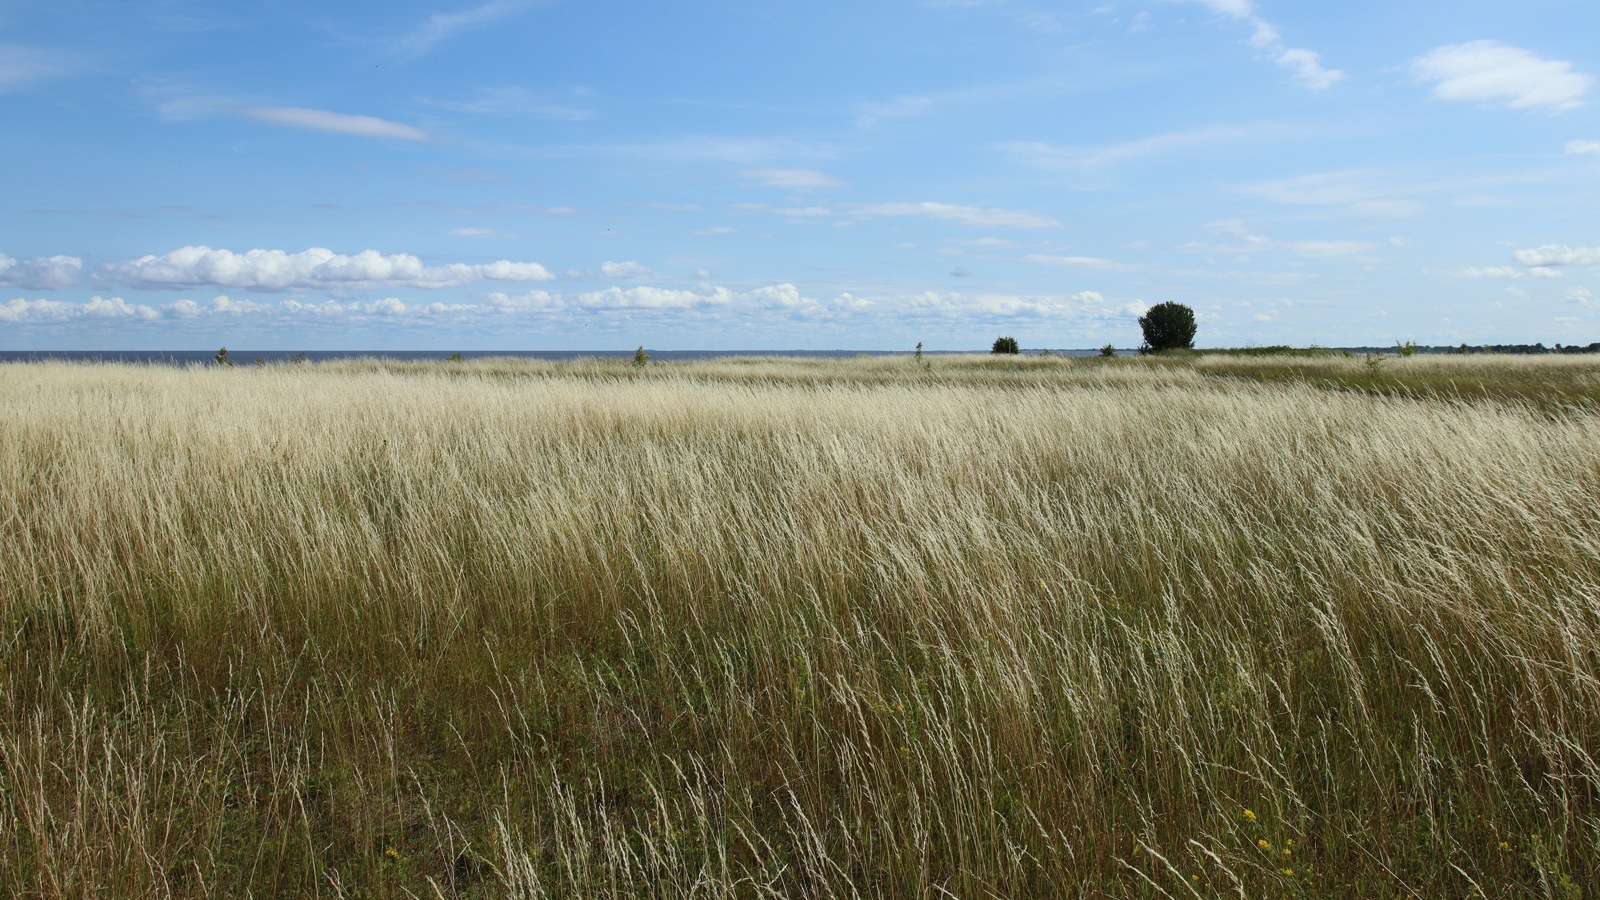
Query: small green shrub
<point x="641" y="358"/>
<point x="1005" y="344"/>
<point x="1108" y="350"/>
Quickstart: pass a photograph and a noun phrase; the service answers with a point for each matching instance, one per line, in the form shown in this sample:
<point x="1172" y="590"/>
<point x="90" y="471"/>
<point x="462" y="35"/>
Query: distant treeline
<point x="1520" y="348"/>
<point x="1524" y="349"/>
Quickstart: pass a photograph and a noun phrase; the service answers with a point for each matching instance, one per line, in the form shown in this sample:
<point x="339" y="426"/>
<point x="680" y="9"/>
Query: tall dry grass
<point x="759" y="628"/>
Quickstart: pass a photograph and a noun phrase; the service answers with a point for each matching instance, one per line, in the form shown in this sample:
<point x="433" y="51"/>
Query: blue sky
<point x="767" y="174"/>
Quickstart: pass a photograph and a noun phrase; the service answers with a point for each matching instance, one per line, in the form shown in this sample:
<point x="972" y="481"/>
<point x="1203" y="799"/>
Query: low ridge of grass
<point x="1551" y="384"/>
<point x="762" y="628"/>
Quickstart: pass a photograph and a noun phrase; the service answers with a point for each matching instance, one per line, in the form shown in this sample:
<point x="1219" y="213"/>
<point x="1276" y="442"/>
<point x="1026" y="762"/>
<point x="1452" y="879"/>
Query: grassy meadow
<point x="1210" y="626"/>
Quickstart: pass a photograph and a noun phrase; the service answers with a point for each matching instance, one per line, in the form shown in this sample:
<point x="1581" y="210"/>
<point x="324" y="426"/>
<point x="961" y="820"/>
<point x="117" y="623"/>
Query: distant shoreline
<point x="245" y="356"/>
<point x="248" y="356"/>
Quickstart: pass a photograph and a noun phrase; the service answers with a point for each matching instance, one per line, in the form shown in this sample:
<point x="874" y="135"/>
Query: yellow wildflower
<point x="1249" y="815"/>
<point x="1264" y="844"/>
<point x="1288" y="872"/>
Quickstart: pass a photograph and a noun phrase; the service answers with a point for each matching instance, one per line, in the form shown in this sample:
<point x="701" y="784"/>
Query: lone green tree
<point x="1167" y="326"/>
<point x="1005" y="344"/>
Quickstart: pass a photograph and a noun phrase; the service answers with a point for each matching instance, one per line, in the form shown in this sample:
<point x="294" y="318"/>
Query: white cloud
<point x="392" y="308"/>
<point x="316" y="269"/>
<point x="478" y="233"/>
<point x="1559" y="255"/>
<point x="22" y="67"/>
<point x="1246" y="241"/>
<point x="1491" y="272"/>
<point x="226" y="305"/>
<point x="966" y="215"/>
<point x="1239" y="9"/>
<point x="1319" y="189"/>
<point x="623" y="270"/>
<point x="532" y="301"/>
<point x="335" y="123"/>
<point x="1332" y="249"/>
<point x="899" y="108"/>
<point x="1494" y="72"/>
<point x="1579" y="295"/>
<point x="780" y="298"/>
<point x="742" y="151"/>
<point x="1363" y="193"/>
<point x="792" y="179"/>
<point x="1236" y="228"/>
<point x="987" y="308"/>
<point x="44" y="273"/>
<point x="645" y="297"/>
<point x="1072" y="159"/>
<point x="25" y="312"/>
<point x="1305" y="66"/>
<point x="1583" y="147"/>
<point x="1389" y="209"/>
<point x="1079" y="262"/>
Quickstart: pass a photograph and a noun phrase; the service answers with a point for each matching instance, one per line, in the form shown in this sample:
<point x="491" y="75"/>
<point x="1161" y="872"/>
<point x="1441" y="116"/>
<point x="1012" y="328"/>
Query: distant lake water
<point x="248" y="357"/>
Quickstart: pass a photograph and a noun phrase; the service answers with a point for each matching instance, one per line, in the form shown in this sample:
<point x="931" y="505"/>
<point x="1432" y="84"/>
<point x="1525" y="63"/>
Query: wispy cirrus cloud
<point x="792" y="179"/>
<point x="743" y="151"/>
<point x="872" y="113"/>
<point x="1363" y="193"/>
<point x="183" y="100"/>
<point x="440" y="28"/>
<point x="1238" y="238"/>
<point x="514" y="101"/>
<point x="1069" y="159"/>
<point x="22" y="66"/>
<point x="1496" y="73"/>
<point x="314" y="269"/>
<point x="1080" y="262"/>
<point x="1507" y="272"/>
<point x="1305" y="66"/>
<point x="335" y="123"/>
<point x="966" y="215"/>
